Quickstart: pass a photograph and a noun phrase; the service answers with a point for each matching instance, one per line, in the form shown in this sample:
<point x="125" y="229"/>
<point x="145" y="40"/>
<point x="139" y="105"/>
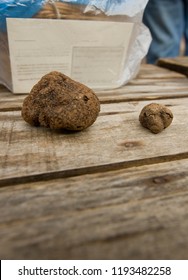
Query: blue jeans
<point x="168" y="23"/>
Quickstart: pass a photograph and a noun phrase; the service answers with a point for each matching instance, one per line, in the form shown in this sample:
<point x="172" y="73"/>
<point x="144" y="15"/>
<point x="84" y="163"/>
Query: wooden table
<point x="113" y="191"/>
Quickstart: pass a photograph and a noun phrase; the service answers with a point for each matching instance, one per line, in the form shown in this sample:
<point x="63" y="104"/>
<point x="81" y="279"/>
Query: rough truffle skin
<point x="155" y="117"/>
<point x="58" y="102"/>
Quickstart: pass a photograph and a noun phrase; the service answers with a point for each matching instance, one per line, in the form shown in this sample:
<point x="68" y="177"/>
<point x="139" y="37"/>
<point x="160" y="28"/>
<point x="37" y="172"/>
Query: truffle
<point x="155" y="117"/>
<point x="58" y="102"/>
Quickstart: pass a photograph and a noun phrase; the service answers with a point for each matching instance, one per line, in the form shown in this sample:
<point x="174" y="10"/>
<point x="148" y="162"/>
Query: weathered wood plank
<point x="134" y="213"/>
<point x="151" y="83"/>
<point x="115" y="140"/>
<point x="14" y="103"/>
<point x="179" y="64"/>
<point x="150" y="71"/>
<point x="135" y="91"/>
<point x="144" y="91"/>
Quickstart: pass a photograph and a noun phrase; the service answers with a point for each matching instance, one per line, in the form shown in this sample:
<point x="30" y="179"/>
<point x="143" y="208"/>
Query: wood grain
<point x="113" y="191"/>
<point x="152" y="83"/>
<point x="179" y="64"/>
<point x="116" y="139"/>
<point x="134" y="213"/>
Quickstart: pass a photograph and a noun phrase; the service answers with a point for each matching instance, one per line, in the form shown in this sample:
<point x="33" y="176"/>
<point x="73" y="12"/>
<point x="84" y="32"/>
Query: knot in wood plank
<point x="161" y="179"/>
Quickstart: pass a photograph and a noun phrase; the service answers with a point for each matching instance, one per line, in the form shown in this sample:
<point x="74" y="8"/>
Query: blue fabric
<point x="24" y="9"/>
<point x="16" y="9"/>
<point x="106" y="5"/>
<point x="27" y="8"/>
<point x="168" y="23"/>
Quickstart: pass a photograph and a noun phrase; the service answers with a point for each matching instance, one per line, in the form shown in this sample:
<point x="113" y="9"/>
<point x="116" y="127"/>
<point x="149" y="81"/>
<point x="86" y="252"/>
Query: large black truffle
<point x="58" y="102"/>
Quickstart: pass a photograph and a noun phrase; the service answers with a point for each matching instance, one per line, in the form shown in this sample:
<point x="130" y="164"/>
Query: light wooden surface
<point x="113" y="191"/>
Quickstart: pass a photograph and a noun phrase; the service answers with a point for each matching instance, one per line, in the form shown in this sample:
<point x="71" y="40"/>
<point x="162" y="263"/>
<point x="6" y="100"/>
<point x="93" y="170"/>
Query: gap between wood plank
<point x="90" y="170"/>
